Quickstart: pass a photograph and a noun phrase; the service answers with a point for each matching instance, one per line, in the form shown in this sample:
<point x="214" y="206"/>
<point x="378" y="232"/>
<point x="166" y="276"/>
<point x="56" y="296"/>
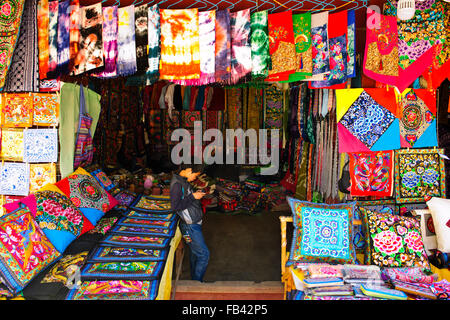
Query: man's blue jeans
<point x="199" y="254"/>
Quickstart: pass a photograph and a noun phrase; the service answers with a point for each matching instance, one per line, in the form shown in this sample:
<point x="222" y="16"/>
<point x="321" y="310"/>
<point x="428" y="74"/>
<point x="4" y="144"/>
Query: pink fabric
<point x="29" y="201"/>
<point x="348" y="142"/>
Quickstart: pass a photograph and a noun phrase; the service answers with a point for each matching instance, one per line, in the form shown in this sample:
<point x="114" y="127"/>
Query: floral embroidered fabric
<point x="115" y="290"/>
<point x="144" y="270"/>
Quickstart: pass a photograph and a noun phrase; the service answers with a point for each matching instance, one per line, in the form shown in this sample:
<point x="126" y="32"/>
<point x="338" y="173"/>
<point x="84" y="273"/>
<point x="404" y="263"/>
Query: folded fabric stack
<point x="127" y="264"/>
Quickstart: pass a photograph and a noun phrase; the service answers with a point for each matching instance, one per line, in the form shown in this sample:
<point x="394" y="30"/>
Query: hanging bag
<point x="84" y="150"/>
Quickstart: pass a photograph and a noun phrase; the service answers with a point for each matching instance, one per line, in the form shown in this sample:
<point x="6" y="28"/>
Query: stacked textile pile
<point x="127" y="264"/>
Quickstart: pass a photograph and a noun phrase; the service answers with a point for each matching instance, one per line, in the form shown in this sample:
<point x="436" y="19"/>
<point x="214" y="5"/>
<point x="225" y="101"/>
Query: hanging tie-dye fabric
<point x="381" y="52"/>
<point x="223" y="46"/>
<point x="241" y="52"/>
<point x="180" y="48"/>
<point x="320" y="48"/>
<point x="302" y="33"/>
<point x="74" y="32"/>
<point x="351" y="45"/>
<point x="23" y="74"/>
<point x="42" y="20"/>
<point x="154" y="44"/>
<point x="418" y="123"/>
<point x="90" y="56"/>
<point x="207" y="31"/>
<point x="372" y="174"/>
<point x="109" y="36"/>
<point x="63" y="42"/>
<point x="337" y="41"/>
<point x="281" y="46"/>
<point x="126" y="58"/>
<point x="52" y="39"/>
<point x="259" y="42"/>
<point x="141" y="30"/>
<point x="10" y="17"/>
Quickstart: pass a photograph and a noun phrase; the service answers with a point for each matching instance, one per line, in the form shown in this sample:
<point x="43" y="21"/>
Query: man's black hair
<point x="194" y="167"/>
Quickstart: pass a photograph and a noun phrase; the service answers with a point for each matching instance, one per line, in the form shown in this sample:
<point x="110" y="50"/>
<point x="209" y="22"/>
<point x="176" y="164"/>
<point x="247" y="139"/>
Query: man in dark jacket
<point x="186" y="203"/>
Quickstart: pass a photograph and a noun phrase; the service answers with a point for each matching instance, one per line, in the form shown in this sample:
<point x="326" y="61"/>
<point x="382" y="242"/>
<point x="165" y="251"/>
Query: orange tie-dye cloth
<point x="180" y="45"/>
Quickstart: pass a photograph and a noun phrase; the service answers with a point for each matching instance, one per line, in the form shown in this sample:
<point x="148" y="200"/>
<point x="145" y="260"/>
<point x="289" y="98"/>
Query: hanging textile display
<point x="126" y="56"/>
<point x="10" y="18"/>
<point x="17" y="110"/>
<point x="11" y="144"/>
<point x="42" y="21"/>
<point x="273" y="113"/>
<point x="419" y="173"/>
<point x="41" y="174"/>
<point x="254" y="107"/>
<point x="154" y="41"/>
<point x="372" y="174"/>
<point x="281" y="46"/>
<point x="40" y="145"/>
<point x="381" y="52"/>
<point x="52" y="39"/>
<point x="90" y="55"/>
<point x="418" y="123"/>
<point x="74" y="32"/>
<point x="14" y="178"/>
<point x="320" y="46"/>
<point x="141" y="30"/>
<point x="234" y="108"/>
<point x="223" y="46"/>
<point x="109" y="37"/>
<point x="23" y="74"/>
<point x="337" y="44"/>
<point x="241" y="55"/>
<point x="207" y="32"/>
<point x="180" y="49"/>
<point x="63" y="38"/>
<point x="45" y="109"/>
<point x="351" y="44"/>
<point x="367" y="120"/>
<point x="259" y="42"/>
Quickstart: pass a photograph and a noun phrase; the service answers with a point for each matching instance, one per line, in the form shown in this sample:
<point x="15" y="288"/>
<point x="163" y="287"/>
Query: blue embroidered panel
<point x="112" y="253"/>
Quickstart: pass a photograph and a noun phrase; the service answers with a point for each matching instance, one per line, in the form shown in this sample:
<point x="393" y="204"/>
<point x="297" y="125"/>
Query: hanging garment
<point x="141" y="29"/>
<point x="126" y="56"/>
<point x="180" y="48"/>
<point x="223" y="47"/>
<point x="23" y="74"/>
<point x="84" y="148"/>
<point x="10" y="18"/>
<point x="259" y="42"/>
<point x="63" y="39"/>
<point x="320" y="46"/>
<point x="281" y="46"/>
<point x="241" y="52"/>
<point x="52" y="39"/>
<point x="302" y="33"/>
<point x="74" y="32"/>
<point x="42" y="20"/>
<point x="234" y="108"/>
<point x="90" y="55"/>
<point x="109" y="37"/>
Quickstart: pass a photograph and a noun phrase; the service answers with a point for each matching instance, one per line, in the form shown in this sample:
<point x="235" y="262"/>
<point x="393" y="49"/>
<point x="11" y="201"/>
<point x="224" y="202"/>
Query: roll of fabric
<point x="259" y="42"/>
<point x="180" y="47"/>
<point x="10" y="18"/>
<point x="42" y="20"/>
<point x="223" y="47"/>
<point x="52" y="39"/>
<point x="241" y="52"/>
<point x="126" y="57"/>
<point x="141" y="29"/>
<point x="63" y="39"/>
<point x="74" y="32"/>
<point x="109" y="35"/>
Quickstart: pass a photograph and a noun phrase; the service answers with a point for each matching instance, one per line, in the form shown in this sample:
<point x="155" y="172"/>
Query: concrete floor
<point x="242" y="247"/>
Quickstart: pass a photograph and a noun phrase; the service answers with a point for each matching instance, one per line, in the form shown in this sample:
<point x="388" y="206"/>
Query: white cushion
<point x="440" y="211"/>
<point x="428" y="235"/>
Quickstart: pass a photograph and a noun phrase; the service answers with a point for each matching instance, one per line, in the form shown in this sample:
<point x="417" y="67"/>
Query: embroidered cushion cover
<point x="322" y="233"/>
<point x="103" y="179"/>
<point x="440" y="211"/>
<point x="394" y="241"/>
<point x="24" y="249"/>
<point x="86" y="194"/>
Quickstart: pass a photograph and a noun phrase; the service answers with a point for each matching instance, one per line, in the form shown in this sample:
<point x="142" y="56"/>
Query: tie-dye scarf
<point x="154" y="44"/>
<point x="180" y="47"/>
<point x="74" y="32"/>
<point x="90" y="56"/>
<point x="281" y="45"/>
<point x="110" y="27"/>
<point x="141" y="29"/>
<point x="42" y="19"/>
<point x="223" y="46"/>
<point x="126" y="58"/>
<point x="63" y="43"/>
<point x="259" y="41"/>
<point x="10" y="16"/>
<point x="52" y="39"/>
<point x="241" y="52"/>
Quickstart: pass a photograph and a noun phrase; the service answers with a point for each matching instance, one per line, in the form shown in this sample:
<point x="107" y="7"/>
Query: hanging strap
<point x="82" y="101"/>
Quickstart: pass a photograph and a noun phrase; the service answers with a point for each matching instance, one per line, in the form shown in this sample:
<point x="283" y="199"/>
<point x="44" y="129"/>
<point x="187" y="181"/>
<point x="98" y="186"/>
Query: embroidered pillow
<point x="24" y="249"/>
<point x="103" y="179"/>
<point x="87" y="194"/>
<point x="394" y="241"/>
<point x="440" y="211"/>
<point x="322" y="233"/>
